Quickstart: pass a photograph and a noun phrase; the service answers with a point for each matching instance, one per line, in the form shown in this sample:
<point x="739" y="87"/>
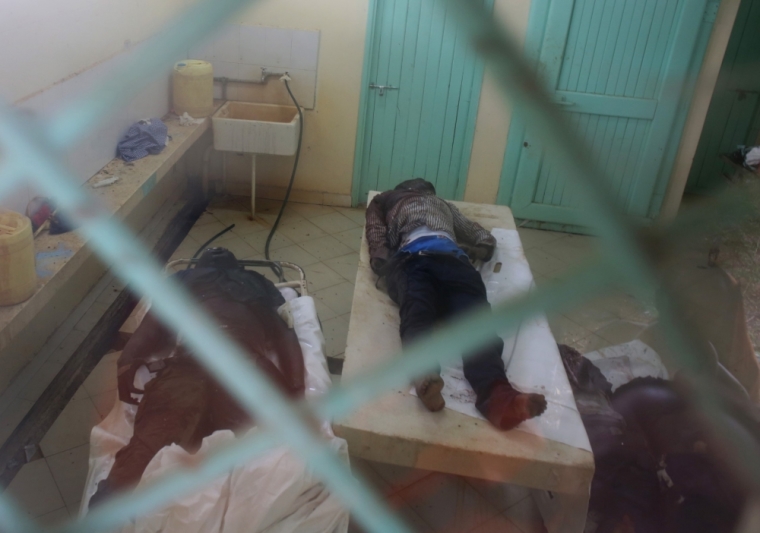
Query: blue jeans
<point x="432" y="288"/>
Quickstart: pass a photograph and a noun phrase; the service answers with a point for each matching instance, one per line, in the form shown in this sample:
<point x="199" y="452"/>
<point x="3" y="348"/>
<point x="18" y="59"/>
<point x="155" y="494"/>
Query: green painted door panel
<point x="424" y="125"/>
<point x="618" y="69"/>
<point x="734" y="114"/>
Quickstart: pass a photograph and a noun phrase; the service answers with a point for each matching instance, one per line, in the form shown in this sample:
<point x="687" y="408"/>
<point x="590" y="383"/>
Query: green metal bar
<point x="13" y="521"/>
<point x="461" y="337"/>
<point x="32" y="152"/>
<point x="131" y="262"/>
<point x="118" y="512"/>
<point x="621" y="240"/>
<point x="76" y="121"/>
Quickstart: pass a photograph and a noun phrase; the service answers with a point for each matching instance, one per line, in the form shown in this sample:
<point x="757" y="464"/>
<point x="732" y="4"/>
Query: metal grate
<point x="35" y="151"/>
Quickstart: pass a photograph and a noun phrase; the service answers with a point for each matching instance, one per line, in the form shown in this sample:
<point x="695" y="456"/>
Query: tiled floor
<point x="325" y="241"/>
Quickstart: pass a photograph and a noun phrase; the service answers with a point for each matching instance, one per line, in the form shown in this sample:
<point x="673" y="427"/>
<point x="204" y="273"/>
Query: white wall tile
<point x="225" y="69"/>
<point x="277" y="47"/>
<point x="227" y="44"/>
<point x="252" y="44"/>
<point x="249" y="71"/>
<point x="304" y="87"/>
<point x="305" y="50"/>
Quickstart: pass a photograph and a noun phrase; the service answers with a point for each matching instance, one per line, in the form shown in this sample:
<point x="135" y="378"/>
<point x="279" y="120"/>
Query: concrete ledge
<point x="68" y="269"/>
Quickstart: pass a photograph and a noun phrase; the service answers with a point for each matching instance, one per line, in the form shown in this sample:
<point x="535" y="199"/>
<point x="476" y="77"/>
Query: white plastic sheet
<point x="531" y="355"/>
<point x="625" y="362"/>
<point x="273" y="493"/>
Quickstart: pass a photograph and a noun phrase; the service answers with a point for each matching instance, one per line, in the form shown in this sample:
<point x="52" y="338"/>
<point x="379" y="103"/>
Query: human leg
<point x="413" y="288"/>
<point x="504" y="406"/>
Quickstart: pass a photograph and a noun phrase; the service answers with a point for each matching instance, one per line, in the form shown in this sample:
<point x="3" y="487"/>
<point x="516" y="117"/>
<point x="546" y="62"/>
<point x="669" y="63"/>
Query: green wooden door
<point x="423" y="126"/>
<point x="734" y="114"/>
<point x="618" y="69"/>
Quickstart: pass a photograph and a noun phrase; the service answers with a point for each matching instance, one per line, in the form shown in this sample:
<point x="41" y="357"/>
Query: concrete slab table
<point x="396" y="428"/>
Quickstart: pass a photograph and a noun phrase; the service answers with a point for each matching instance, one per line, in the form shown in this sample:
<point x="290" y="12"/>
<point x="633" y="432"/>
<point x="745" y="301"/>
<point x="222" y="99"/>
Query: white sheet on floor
<point x="274" y="492"/>
<point x="531" y="355"/>
<point x="624" y="362"/>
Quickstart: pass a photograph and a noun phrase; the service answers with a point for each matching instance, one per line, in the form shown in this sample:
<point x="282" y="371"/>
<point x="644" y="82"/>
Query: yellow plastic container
<point x="193" y="88"/>
<point x="18" y="276"/>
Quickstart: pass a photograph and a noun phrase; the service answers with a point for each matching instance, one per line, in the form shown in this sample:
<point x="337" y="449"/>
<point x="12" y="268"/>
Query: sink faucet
<point x="265" y="75"/>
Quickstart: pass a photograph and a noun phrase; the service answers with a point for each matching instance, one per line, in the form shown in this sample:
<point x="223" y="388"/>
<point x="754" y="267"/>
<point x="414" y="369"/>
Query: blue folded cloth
<point x="142" y="138"/>
<point x="434" y="244"/>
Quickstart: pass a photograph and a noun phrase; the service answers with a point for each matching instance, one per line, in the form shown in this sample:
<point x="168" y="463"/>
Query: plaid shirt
<point x="392" y="215"/>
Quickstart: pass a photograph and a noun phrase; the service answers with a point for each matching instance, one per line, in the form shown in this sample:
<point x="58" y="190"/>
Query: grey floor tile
<point x="319" y="276"/>
<point x="300" y="230"/>
<point x="447" y="503"/>
<point x="57" y="517"/>
<point x="346" y="265"/>
<point x="103" y="377"/>
<point x="258" y="241"/>
<point x="111" y="292"/>
<point x="206" y="218"/>
<point x="333" y="223"/>
<point x="104" y="402"/>
<point x="184" y="252"/>
<point x="592" y="315"/>
<point x="201" y="234"/>
<point x="72" y="428"/>
<point x="327" y="247"/>
<point x="398" y="477"/>
<point x="69" y="471"/>
<point x="34" y="489"/>
<point x="543" y="263"/>
<point x="244" y="226"/>
<point x="532" y="238"/>
<point x="364" y="471"/>
<point x="498" y="524"/>
<point x="12" y="416"/>
<point x="351" y="238"/>
<point x="590" y="344"/>
<point x="91" y="317"/>
<point x="311" y="210"/>
<point x="335" y="331"/>
<point x="357" y="214"/>
<point x="294" y="254"/>
<point x="566" y="331"/>
<point x="323" y="312"/>
<point x="338" y="297"/>
<point x="40" y="380"/>
<point x="500" y="495"/>
<point x="239" y="247"/>
<point x="525" y="515"/>
<point x="620" y="331"/>
<point x="74" y="509"/>
<point x="573" y="249"/>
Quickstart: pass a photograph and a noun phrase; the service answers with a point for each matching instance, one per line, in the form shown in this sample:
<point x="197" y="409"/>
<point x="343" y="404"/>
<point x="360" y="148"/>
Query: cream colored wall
<point x="494" y="115"/>
<point x="43" y="42"/>
<point x="700" y="103"/>
<point x="327" y="155"/>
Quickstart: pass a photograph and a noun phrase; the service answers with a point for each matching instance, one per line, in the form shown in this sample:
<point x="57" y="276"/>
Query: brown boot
<point x="429" y="391"/>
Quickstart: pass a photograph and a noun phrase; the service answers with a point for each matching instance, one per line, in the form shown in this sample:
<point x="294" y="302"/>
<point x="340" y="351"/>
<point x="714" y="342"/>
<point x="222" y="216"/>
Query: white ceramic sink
<point x="256" y="128"/>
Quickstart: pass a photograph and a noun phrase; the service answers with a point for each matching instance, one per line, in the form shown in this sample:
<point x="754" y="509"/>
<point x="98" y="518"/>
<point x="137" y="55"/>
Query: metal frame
<point x="299" y="284"/>
<point x="35" y="151"/>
